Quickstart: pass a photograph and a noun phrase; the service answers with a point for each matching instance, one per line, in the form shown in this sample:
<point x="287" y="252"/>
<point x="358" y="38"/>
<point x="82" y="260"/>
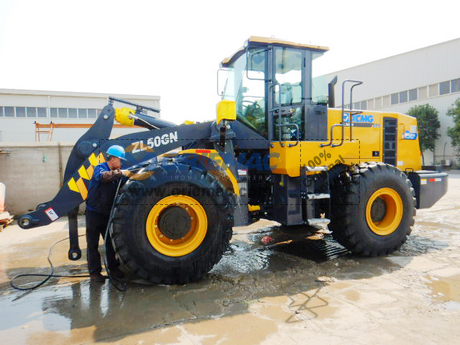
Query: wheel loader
<point x="279" y="149"/>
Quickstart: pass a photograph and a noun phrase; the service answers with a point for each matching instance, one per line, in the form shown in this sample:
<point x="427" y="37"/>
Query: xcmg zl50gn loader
<point x="278" y="150"/>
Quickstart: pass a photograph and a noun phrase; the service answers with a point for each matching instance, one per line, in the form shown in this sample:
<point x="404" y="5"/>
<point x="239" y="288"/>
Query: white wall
<point x="32" y="173"/>
<point x="14" y="129"/>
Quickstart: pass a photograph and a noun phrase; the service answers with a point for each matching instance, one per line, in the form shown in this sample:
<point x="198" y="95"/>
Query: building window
<point x="413" y="95"/>
<point x="82" y="113"/>
<point x="378" y="103"/>
<point x="370" y="104"/>
<point x="394" y="98"/>
<point x="62" y="112"/>
<point x="31" y="112"/>
<point x="444" y="88"/>
<point x="364" y="105"/>
<point x="92" y="113"/>
<point x="403" y="97"/>
<point x="20" y="112"/>
<point x="72" y="113"/>
<point x="455" y="85"/>
<point x="356" y="105"/>
<point x="423" y="92"/>
<point x="434" y="90"/>
<point x="1" y="111"/>
<point x="9" y="111"/>
<point x="41" y="112"/>
<point x="386" y="101"/>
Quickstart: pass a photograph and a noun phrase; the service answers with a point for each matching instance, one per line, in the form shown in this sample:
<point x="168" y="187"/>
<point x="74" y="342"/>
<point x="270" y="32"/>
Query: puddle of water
<point x="310" y="305"/>
<point x="250" y="257"/>
<point x="352" y="295"/>
<point x="446" y="289"/>
<point x="452" y="305"/>
<point x="244" y="258"/>
<point x="87" y="311"/>
<point x="241" y="329"/>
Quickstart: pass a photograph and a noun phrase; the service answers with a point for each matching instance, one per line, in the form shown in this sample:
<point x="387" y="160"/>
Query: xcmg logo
<point x="359" y="118"/>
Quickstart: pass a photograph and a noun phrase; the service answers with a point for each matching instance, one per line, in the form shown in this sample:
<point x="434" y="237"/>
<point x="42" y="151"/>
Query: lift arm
<point x="139" y="147"/>
<point x="89" y="151"/>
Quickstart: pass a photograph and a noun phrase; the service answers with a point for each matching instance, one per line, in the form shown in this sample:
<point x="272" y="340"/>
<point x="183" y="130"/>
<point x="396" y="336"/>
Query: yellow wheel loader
<point x="278" y="150"/>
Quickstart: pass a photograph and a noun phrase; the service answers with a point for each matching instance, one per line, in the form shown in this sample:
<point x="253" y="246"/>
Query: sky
<point x="173" y="48"/>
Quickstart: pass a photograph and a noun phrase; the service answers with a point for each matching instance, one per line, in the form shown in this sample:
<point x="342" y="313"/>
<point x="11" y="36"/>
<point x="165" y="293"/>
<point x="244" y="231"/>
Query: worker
<point x="101" y="194"/>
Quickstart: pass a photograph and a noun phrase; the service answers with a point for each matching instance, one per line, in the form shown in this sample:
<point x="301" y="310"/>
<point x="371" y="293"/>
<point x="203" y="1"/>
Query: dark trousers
<point x="96" y="226"/>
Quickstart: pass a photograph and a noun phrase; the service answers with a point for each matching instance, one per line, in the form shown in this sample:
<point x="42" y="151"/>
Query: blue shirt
<point x="101" y="194"/>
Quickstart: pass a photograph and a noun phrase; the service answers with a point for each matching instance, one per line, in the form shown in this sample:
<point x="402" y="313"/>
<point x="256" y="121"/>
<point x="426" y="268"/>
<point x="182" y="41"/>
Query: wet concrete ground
<point x="285" y="294"/>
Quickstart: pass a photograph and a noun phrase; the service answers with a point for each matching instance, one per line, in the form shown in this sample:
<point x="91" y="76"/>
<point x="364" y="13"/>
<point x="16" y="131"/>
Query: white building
<point x="397" y="83"/>
<point x="20" y="109"/>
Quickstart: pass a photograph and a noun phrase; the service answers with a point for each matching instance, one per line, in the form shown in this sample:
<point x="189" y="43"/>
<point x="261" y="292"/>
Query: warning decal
<point x="51" y="214"/>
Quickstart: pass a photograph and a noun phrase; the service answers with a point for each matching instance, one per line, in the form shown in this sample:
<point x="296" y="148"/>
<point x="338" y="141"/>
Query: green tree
<point x="454" y="132"/>
<point x="428" y="125"/>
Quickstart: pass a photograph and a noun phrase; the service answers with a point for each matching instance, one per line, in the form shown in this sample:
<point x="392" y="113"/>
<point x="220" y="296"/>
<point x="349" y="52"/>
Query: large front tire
<point x="174" y="226"/>
<point x="373" y="209"/>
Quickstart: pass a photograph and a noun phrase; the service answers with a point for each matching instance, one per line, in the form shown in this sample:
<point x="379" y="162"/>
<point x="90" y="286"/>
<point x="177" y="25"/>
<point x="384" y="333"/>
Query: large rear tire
<point x="174" y="226"/>
<point x="373" y="209"/>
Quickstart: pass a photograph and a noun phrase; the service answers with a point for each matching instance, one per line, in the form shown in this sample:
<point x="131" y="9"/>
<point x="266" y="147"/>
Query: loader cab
<point x="276" y="93"/>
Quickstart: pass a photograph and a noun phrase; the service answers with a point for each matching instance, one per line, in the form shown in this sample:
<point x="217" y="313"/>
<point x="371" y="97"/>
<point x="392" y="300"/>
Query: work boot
<point x="117" y="273"/>
<point x="97" y="277"/>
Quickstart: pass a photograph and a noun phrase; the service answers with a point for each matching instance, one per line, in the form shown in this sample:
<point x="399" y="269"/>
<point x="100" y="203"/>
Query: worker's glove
<point x="108" y="176"/>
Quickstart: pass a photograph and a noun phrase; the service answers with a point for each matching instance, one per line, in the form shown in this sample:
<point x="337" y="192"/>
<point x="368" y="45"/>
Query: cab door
<point x="286" y="104"/>
<point x="294" y="110"/>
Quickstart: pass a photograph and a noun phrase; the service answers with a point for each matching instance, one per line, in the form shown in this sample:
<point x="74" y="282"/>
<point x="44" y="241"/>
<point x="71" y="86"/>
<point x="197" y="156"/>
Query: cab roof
<point x="266" y="41"/>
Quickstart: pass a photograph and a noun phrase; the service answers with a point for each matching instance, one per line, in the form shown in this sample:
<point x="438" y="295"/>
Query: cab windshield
<point x="246" y="87"/>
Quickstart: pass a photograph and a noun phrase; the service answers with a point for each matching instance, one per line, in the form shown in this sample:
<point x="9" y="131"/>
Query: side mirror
<point x="331" y="92"/>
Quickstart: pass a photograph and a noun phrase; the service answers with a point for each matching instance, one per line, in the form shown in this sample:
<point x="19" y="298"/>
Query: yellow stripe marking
<point x="72" y="185"/>
<point x="93" y="159"/>
<point x="90" y="171"/>
<point x="82" y="188"/>
<point x="83" y="173"/>
<point x="101" y="158"/>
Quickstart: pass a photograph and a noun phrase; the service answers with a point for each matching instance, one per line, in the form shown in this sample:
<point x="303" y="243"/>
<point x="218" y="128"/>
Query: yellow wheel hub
<point x="384" y="211"/>
<point x="176" y="225"/>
